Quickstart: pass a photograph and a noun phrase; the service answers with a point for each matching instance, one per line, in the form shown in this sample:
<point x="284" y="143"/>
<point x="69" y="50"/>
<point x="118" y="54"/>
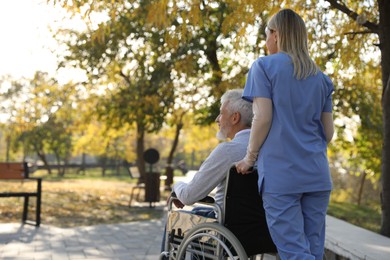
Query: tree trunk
<point x="43" y="158"/>
<point x="361" y="187"/>
<point x="103" y="160"/>
<point x="82" y="168"/>
<point x="169" y="169"/>
<point x="8" y="146"/>
<point x="61" y="170"/>
<point x="384" y="39"/>
<point x="117" y="165"/>
<point x="385" y="177"/>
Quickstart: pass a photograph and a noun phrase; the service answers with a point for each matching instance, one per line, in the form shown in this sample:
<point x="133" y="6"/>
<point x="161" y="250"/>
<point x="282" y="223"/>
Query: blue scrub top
<point x="293" y="158"/>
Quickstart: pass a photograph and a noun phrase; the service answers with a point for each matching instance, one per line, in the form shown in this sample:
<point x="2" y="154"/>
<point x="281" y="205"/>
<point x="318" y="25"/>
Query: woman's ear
<point x="275" y="35"/>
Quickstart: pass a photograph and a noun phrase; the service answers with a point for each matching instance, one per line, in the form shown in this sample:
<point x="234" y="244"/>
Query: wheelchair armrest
<point x="207" y="200"/>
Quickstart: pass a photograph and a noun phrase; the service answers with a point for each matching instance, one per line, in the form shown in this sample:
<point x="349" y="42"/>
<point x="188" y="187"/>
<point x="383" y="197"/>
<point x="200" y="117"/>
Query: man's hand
<point x="243" y="167"/>
<point x="176" y="202"/>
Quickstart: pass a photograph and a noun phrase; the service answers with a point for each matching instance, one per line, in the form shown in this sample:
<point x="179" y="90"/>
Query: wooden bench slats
<point x="9" y="171"/>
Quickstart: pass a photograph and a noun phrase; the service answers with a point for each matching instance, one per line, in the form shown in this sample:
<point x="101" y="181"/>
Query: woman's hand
<point x="243" y="167"/>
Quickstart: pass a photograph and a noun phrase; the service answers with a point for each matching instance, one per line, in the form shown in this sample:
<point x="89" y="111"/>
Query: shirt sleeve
<point x="328" y="102"/>
<point x="210" y="174"/>
<point x="261" y="124"/>
<point x="257" y="83"/>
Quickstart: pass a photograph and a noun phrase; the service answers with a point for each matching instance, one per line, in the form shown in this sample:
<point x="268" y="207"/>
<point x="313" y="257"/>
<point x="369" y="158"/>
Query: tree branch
<point x="343" y="8"/>
<point x="125" y="77"/>
<point x="353" y="34"/>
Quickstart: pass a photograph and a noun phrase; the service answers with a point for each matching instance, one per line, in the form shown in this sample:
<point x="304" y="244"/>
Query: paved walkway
<point x="131" y="241"/>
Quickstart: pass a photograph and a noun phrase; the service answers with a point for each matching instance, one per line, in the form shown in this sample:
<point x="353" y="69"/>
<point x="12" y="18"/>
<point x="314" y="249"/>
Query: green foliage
<point x="360" y="126"/>
<point x="41" y="116"/>
<point x="358" y="215"/>
<point x="131" y="57"/>
<point x="212" y="33"/>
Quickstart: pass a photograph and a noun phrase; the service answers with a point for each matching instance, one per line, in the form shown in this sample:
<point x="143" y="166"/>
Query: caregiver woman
<point x="292" y="125"/>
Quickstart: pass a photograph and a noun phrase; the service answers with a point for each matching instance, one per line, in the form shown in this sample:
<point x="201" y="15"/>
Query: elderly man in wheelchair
<point x="220" y="234"/>
<point x="239" y="230"/>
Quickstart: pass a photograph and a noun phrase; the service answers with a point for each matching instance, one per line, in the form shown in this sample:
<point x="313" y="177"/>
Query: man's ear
<point x="236" y="118"/>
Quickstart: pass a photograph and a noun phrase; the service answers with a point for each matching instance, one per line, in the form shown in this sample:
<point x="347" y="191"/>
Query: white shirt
<point x="212" y="172"/>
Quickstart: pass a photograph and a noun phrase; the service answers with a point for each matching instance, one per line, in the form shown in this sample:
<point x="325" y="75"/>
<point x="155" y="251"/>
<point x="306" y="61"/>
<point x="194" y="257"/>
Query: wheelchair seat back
<point x="244" y="213"/>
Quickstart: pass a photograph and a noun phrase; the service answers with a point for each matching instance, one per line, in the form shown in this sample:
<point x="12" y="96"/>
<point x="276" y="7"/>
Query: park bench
<point x="20" y="172"/>
<point x="135" y="174"/>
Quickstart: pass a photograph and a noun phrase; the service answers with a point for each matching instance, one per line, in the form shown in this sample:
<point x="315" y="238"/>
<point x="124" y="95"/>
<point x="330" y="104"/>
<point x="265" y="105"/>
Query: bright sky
<point x="26" y="41"/>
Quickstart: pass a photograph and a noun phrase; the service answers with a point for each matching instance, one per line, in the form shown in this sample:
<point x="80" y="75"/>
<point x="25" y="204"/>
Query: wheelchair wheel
<point x="210" y="241"/>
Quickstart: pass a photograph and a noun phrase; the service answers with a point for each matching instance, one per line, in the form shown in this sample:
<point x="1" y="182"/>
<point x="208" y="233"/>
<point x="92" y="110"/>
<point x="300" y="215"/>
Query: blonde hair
<point x="292" y="39"/>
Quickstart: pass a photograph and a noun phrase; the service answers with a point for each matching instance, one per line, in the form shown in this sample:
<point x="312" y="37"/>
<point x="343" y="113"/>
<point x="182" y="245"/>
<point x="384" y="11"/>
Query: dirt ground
<point x="69" y="203"/>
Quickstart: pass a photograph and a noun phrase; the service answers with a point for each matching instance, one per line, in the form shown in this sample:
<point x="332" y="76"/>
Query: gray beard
<point x="221" y="136"/>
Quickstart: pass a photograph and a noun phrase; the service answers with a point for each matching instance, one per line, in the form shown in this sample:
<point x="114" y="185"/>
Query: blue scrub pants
<point x="297" y="223"/>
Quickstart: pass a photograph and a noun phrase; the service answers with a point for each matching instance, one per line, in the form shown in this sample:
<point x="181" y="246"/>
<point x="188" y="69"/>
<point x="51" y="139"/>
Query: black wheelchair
<point x="238" y="232"/>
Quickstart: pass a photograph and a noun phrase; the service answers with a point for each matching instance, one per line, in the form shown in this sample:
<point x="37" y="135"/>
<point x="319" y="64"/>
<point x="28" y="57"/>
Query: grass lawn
<point x="78" y="202"/>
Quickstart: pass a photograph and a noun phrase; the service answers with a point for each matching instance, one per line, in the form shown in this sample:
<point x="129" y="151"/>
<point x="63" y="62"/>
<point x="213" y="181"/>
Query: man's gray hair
<point x="235" y="103"/>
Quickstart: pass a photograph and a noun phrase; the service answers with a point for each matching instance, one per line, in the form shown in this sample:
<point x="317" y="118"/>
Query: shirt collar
<point x="241" y="132"/>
